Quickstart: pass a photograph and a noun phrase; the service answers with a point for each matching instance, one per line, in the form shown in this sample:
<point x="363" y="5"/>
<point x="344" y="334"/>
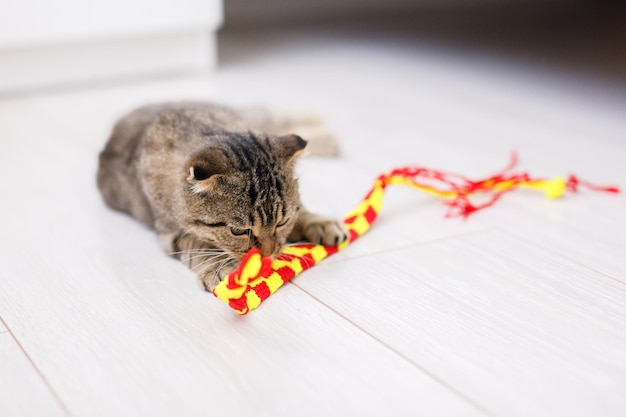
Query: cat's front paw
<point x="208" y="280"/>
<point x="325" y="231"/>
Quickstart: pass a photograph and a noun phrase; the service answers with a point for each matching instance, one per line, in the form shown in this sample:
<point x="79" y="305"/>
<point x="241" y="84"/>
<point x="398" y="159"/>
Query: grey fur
<point x="212" y="182"/>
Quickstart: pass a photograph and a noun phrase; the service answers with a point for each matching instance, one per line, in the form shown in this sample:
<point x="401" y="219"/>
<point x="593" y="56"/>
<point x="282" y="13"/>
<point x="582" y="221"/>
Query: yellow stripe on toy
<point x="257" y="278"/>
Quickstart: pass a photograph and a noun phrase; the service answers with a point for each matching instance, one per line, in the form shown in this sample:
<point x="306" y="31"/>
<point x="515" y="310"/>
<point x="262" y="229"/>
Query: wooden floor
<point x="518" y="311"/>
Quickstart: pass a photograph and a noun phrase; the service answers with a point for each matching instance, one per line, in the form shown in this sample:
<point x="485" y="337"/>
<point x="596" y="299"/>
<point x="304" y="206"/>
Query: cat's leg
<point x="319" y="229"/>
<point x="307" y="125"/>
<point x="321" y="142"/>
<point x="210" y="263"/>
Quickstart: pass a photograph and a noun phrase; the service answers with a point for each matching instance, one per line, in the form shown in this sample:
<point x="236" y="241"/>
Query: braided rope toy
<point x="256" y="278"/>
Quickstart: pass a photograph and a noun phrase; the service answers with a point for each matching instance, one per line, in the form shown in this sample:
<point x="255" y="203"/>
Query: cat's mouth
<point x="273" y="251"/>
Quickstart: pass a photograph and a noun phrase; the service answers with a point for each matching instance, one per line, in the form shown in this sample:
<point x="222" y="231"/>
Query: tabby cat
<point x="212" y="182"/>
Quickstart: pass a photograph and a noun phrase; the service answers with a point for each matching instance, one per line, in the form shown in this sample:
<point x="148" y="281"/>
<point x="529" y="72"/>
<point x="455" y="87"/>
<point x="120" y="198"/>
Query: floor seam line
<point x="557" y="253"/>
<point x="47" y="383"/>
<point x="428" y="373"/>
<point x="412" y="245"/>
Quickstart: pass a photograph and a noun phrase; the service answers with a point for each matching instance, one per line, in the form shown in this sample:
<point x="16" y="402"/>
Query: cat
<point x="212" y="182"/>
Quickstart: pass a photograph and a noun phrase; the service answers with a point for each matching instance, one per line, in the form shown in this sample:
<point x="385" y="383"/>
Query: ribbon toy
<point x="256" y="278"/>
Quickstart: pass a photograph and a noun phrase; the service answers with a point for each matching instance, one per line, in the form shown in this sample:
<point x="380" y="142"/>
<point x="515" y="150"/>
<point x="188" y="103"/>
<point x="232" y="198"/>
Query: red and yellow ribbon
<point x="257" y="278"/>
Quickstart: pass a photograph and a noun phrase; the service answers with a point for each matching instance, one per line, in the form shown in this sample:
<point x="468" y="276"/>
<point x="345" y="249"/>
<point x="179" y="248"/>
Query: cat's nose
<point x="268" y="248"/>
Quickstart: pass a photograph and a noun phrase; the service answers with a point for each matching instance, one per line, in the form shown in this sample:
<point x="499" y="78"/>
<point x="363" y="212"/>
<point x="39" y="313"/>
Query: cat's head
<point x="241" y="191"/>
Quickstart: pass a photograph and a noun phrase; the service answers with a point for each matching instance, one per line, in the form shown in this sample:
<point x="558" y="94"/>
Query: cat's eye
<point x="238" y="232"/>
<point x="283" y="222"/>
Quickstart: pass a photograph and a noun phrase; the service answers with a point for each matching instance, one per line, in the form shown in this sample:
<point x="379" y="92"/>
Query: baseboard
<point x="68" y="64"/>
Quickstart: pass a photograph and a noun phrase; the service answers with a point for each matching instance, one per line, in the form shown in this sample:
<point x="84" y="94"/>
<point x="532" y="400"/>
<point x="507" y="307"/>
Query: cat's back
<point x="171" y="121"/>
<point x="169" y="128"/>
<point x="148" y="146"/>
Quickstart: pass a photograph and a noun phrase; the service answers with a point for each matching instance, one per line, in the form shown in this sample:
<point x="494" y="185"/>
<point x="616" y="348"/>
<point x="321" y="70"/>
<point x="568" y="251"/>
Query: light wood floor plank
<point x="519" y="330"/>
<point x="118" y="328"/>
<point x="23" y="392"/>
<point x="119" y="341"/>
<point x="518" y="311"/>
<point x="584" y="228"/>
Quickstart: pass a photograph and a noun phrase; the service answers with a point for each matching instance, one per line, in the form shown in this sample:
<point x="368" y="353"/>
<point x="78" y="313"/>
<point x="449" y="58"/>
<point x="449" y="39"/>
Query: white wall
<point x="53" y="42"/>
<point x="37" y="22"/>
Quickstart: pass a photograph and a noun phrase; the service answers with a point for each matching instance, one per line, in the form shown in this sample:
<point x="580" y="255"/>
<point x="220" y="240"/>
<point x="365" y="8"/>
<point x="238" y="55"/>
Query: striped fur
<point x="211" y="182"/>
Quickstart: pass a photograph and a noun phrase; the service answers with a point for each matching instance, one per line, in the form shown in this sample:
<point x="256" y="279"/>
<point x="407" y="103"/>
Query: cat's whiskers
<point x="302" y="242"/>
<point x="204" y="255"/>
<point x="223" y="264"/>
<point x="216" y="260"/>
<point x="264" y="160"/>
<point x="306" y="262"/>
<point x="249" y="238"/>
<point x="178" y="239"/>
<point x="207" y="251"/>
<point x="187" y="257"/>
<point x="209" y="256"/>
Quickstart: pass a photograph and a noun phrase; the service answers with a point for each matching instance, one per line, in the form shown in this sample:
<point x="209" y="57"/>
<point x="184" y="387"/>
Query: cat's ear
<point x="205" y="170"/>
<point x="198" y="172"/>
<point x="292" y="146"/>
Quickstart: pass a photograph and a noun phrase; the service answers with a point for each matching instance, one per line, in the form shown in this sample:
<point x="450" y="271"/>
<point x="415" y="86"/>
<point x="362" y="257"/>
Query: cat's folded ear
<point x="206" y="169"/>
<point x="292" y="146"/>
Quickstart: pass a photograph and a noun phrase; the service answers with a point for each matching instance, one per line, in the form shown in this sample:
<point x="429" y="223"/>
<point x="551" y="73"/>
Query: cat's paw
<point x="325" y="231"/>
<point x="208" y="280"/>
